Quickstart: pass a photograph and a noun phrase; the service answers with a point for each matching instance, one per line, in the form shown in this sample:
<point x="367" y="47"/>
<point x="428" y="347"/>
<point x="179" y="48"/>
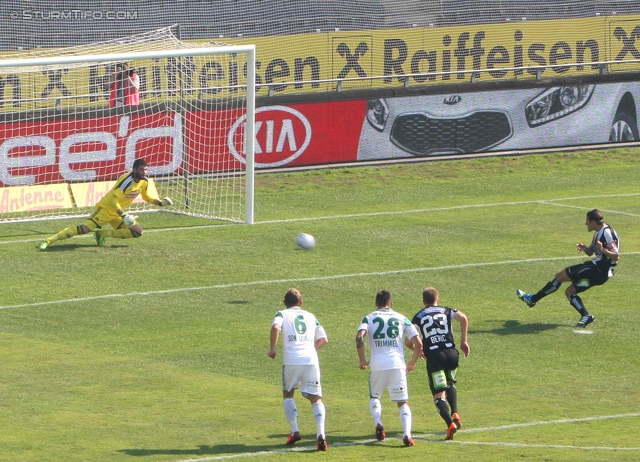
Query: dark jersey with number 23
<point x="436" y="328"/>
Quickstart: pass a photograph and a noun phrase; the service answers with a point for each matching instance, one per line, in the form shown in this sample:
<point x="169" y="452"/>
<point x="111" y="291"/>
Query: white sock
<point x="405" y="418"/>
<point x="319" y="415"/>
<point x="376" y="410"/>
<point x="291" y="411"/>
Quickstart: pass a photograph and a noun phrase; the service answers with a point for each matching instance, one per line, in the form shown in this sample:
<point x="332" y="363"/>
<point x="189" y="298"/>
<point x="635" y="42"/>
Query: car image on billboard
<point x="504" y="120"/>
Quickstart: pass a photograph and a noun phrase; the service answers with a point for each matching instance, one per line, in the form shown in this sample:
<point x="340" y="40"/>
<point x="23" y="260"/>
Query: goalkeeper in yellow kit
<point x="111" y="210"/>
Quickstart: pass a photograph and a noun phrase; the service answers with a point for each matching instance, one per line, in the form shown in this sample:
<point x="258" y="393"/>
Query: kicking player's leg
<point x="583" y="278"/>
<point x="551" y="286"/>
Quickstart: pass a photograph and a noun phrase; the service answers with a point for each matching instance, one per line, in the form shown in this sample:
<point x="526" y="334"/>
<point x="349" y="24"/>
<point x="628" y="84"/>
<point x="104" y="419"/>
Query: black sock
<point x="443" y="409"/>
<point x="452" y="398"/>
<point x="550" y="288"/>
<point x="576" y="302"/>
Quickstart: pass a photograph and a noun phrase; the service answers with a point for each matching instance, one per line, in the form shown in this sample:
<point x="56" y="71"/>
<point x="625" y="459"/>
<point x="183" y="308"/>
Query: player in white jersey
<point x="387" y="331"/>
<point x="302" y="336"/>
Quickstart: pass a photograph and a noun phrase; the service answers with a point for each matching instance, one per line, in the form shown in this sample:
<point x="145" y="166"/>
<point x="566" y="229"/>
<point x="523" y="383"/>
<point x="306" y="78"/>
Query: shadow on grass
<point x="307" y="444"/>
<point x="71" y="247"/>
<point x="515" y="327"/>
<point x="201" y="450"/>
<point x="63" y="248"/>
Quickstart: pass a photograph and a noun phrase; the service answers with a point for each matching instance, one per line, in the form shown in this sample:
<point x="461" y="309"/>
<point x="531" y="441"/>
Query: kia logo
<point x="453" y="99"/>
<point x="282" y="134"/>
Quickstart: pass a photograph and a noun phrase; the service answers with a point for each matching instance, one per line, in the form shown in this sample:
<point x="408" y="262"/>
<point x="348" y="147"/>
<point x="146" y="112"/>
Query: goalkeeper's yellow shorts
<point x="102" y="216"/>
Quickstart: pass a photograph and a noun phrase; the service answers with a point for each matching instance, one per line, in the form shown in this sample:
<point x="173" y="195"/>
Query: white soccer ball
<point x="305" y="241"/>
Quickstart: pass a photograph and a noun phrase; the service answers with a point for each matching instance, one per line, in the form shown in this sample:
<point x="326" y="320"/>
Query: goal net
<point x="72" y="122"/>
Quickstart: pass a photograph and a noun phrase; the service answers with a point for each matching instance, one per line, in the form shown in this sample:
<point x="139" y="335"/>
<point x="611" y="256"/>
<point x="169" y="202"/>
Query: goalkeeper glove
<point x="128" y="220"/>
<point x="166" y="201"/>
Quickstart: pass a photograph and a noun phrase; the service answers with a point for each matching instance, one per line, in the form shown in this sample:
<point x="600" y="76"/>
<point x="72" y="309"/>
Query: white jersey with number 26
<point x="299" y="331"/>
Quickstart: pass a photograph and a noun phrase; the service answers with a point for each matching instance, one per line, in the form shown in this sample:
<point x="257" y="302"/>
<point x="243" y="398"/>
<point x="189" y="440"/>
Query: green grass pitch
<point x="154" y="349"/>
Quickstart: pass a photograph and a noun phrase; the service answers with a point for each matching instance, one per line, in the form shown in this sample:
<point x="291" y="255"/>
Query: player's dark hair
<point x="293" y="298"/>
<point x="595" y="215"/>
<point x="429" y="296"/>
<point x="139" y="163"/>
<point x="383" y="297"/>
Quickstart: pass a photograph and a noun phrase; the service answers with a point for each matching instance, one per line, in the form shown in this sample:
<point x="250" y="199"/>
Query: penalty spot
<point x="582" y="331"/>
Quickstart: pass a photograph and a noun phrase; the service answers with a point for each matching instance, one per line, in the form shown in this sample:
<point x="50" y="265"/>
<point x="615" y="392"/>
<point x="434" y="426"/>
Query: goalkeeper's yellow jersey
<point x="124" y="193"/>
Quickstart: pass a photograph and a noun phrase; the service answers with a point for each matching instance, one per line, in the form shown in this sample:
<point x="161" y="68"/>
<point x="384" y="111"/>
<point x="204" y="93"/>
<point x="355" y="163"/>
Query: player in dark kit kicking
<point x="606" y="247"/>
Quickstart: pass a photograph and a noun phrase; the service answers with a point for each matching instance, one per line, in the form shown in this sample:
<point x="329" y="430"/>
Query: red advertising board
<point x="85" y="149"/>
<point x="101" y="148"/>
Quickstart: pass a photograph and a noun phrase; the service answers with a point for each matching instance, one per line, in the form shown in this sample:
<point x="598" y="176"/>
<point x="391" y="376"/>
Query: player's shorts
<point x="394" y="380"/>
<point x="307" y="378"/>
<point x="586" y="275"/>
<point x="102" y="216"/>
<point x="442" y="366"/>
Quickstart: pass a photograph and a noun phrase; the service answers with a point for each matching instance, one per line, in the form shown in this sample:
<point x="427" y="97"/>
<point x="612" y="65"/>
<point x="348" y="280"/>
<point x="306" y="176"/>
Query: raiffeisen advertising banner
<point x="509" y="51"/>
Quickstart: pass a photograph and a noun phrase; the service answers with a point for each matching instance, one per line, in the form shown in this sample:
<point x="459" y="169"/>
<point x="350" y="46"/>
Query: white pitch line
<point x="457" y="207"/>
<point x="472" y="430"/>
<point x="544" y="446"/>
<point x="289" y="281"/>
<point x="374" y="214"/>
<point x="549" y="422"/>
<point x="616" y="212"/>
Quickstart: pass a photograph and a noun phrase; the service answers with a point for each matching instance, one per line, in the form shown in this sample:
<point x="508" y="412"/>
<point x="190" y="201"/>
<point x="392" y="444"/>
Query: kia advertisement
<point x="101" y="148"/>
<point x="296" y="134"/>
<point x="459" y="123"/>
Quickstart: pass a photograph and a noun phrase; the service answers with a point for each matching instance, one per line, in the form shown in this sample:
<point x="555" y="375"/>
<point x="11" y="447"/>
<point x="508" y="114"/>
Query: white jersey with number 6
<point x="386" y="330"/>
<point x="299" y="330"/>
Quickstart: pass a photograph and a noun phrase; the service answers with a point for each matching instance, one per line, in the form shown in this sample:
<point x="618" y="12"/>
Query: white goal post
<point x="62" y="146"/>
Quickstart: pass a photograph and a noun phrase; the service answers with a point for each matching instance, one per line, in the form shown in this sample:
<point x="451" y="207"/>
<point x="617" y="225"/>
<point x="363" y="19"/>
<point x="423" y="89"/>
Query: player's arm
<point x="611" y="254"/>
<point x="584" y="248"/>
<point x="410" y="346"/>
<point x="154" y="200"/>
<point x="133" y="80"/>
<point x="464" y="328"/>
<point x="321" y="337"/>
<point x="610" y="250"/>
<point x="416" y="346"/>
<point x="114" y="201"/>
<point x="360" y="348"/>
<point x="273" y="340"/>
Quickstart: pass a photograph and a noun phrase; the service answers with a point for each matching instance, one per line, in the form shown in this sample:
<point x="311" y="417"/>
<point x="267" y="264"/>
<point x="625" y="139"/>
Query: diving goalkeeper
<point x="111" y="210"/>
